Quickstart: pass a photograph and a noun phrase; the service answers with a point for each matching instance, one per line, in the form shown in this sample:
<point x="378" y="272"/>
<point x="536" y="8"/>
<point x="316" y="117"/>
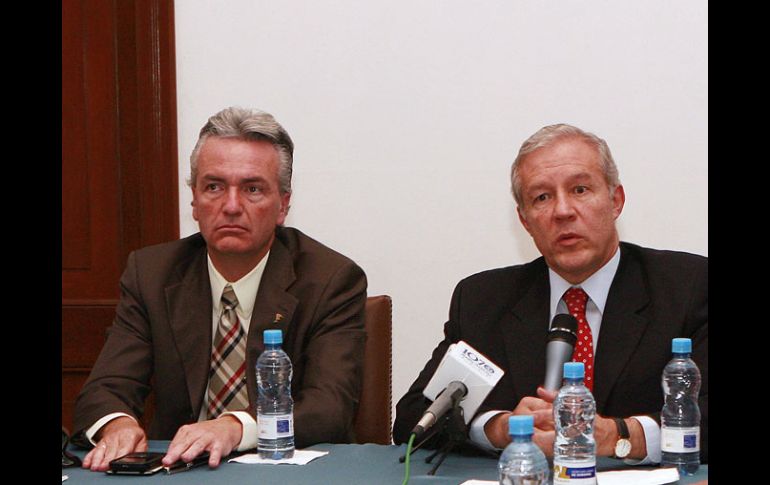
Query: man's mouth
<point x="231" y="228"/>
<point x="568" y="238"/>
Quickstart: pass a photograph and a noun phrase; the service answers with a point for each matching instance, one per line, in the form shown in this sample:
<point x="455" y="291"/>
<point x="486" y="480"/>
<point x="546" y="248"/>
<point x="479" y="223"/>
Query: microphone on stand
<point x="454" y="392"/>
<point x="463" y="378"/>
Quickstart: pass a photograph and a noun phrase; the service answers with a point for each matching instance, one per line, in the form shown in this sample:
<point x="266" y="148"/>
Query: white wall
<point x="407" y="114"/>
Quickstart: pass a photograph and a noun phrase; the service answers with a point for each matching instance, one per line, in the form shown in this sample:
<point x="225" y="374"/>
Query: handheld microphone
<point x="561" y="342"/>
<point x="464" y="377"/>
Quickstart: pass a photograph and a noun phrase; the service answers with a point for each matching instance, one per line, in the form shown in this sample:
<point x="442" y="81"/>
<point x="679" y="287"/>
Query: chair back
<point x="373" y="418"/>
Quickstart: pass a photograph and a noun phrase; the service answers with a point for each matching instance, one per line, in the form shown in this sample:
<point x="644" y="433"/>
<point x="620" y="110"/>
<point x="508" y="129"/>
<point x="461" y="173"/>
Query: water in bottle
<point x="680" y="417"/>
<point x="574" y="449"/>
<point x="522" y="462"/>
<point x="275" y="406"/>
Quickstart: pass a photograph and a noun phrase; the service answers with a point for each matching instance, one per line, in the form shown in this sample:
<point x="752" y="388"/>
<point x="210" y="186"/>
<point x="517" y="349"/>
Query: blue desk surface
<point x="345" y="464"/>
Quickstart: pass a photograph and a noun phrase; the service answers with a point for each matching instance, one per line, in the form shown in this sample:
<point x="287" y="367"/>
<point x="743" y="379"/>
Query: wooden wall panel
<point x="90" y="164"/>
<point x="119" y="162"/>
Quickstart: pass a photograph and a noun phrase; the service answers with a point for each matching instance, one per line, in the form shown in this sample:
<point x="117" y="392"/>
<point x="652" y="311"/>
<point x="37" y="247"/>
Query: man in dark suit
<point x="568" y="196"/>
<point x="170" y="308"/>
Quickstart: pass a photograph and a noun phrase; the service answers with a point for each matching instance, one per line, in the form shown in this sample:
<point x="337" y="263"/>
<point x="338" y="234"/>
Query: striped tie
<point x="227" y="377"/>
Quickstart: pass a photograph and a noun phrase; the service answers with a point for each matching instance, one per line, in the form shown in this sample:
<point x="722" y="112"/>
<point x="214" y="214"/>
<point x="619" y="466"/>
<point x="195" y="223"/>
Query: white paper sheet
<point x="656" y="476"/>
<point x="301" y="457"/>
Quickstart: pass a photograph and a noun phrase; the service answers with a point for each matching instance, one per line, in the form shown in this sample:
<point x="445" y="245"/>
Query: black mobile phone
<point x="137" y="463"/>
<point x="181" y="466"/>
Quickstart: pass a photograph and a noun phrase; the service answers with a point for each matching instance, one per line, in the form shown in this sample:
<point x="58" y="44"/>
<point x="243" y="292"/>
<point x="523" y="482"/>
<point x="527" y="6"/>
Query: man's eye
<point x="581" y="189"/>
<point x="253" y="190"/>
<point x="212" y="187"/>
<point x="541" y="198"/>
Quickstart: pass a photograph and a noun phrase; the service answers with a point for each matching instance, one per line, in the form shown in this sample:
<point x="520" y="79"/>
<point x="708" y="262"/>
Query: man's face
<point x="567" y="207"/>
<point x="236" y="200"/>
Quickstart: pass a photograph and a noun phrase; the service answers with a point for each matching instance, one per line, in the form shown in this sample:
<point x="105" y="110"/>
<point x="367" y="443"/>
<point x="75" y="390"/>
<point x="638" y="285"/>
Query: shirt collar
<point x="597" y="286"/>
<point x="245" y="288"/>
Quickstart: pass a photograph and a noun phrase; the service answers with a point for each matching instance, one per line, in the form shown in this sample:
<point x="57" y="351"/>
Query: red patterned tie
<point x="227" y="377"/>
<point x="584" y="347"/>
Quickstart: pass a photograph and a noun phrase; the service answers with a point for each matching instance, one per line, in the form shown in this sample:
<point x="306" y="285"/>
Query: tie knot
<point x="229" y="299"/>
<point x="575" y="296"/>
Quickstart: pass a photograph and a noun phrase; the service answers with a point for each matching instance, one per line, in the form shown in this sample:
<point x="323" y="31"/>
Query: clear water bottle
<point x="574" y="448"/>
<point x="522" y="462"/>
<point x="680" y="417"/>
<point x="275" y="406"/>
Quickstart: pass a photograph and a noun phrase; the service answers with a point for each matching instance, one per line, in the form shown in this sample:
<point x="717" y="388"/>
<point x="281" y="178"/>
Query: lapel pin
<point x="278" y="318"/>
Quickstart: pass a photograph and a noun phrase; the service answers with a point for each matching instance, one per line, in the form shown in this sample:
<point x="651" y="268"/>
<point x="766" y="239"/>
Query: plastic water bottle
<point x="522" y="462"/>
<point x="275" y="406"/>
<point x="680" y="417"/>
<point x="574" y="448"/>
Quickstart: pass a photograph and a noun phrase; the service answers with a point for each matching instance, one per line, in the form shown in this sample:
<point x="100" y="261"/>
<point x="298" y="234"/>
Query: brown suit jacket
<point x="161" y="337"/>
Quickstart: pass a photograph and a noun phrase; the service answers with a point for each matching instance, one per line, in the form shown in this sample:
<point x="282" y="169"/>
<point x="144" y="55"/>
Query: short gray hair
<point x="250" y="125"/>
<point x="548" y="135"/>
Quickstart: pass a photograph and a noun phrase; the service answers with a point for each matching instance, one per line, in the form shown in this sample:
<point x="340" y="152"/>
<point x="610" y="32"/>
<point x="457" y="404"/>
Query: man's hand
<point x="118" y="437"/>
<point x="606" y="435"/>
<point x="541" y="408"/>
<point x="217" y="436"/>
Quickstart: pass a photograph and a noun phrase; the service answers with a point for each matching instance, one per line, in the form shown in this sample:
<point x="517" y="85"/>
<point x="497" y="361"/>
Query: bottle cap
<point x="273" y="337"/>
<point x="574" y="370"/>
<point x="521" y="425"/>
<point x="681" y="345"/>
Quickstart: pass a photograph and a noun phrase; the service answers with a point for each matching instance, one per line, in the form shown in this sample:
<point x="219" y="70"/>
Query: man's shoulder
<point x="507" y="276"/>
<point x="663" y="258"/>
<point x="306" y="250"/>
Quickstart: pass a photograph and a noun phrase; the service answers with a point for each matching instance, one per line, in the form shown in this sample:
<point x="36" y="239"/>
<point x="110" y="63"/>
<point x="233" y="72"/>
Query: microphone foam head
<point x="564" y="328"/>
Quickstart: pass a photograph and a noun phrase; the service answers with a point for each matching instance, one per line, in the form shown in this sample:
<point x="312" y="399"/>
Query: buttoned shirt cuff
<point x="91" y="432"/>
<point x="652" y="438"/>
<point x="249" y="436"/>
<point x="477" y="434"/>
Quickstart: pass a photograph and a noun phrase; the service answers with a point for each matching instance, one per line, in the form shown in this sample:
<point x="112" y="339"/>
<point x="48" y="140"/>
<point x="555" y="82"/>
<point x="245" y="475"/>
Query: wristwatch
<point x="623" y="445"/>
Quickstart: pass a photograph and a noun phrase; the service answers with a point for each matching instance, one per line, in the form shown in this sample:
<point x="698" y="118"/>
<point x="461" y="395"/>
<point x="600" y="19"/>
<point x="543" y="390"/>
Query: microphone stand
<point x="456" y="431"/>
<point x="456" y="434"/>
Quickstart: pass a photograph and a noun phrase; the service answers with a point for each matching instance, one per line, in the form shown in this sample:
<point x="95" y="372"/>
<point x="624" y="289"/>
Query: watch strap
<point x="623" y="445"/>
<point x="622" y="428"/>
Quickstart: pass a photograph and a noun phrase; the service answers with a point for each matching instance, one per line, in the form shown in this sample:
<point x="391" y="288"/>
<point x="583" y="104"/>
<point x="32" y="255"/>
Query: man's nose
<point x="233" y="201"/>
<point x="564" y="207"/>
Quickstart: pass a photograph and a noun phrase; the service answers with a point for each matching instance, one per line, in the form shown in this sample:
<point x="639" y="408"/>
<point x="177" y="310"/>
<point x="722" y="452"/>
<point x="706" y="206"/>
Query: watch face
<point x="622" y="448"/>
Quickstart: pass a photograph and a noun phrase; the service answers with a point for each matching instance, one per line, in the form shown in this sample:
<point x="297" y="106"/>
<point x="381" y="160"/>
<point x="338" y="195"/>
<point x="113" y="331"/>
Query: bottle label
<point x="275" y="426"/>
<point x="571" y="473"/>
<point x="679" y="440"/>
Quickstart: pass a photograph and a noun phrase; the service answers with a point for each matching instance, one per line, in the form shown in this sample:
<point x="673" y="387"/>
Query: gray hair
<point x="249" y="125"/>
<point x="548" y="135"/>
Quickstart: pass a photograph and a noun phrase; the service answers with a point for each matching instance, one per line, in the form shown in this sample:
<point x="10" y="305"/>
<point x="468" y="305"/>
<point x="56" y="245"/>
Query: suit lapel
<point x="623" y="325"/>
<point x="274" y="307"/>
<point x="525" y="335"/>
<point x="190" y="309"/>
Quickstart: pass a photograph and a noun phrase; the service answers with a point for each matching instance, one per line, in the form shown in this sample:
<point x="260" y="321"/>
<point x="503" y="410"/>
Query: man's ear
<point x="194" y="206"/>
<point x="618" y="201"/>
<point x="284" y="210"/>
<point x="523" y="219"/>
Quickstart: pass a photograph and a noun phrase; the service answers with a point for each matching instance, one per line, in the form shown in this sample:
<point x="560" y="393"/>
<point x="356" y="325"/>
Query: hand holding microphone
<point x="561" y="342"/>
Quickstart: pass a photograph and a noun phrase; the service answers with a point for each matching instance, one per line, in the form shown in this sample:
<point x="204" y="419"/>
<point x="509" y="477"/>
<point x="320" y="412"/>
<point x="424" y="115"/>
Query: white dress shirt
<point x="597" y="286"/>
<point x="246" y="292"/>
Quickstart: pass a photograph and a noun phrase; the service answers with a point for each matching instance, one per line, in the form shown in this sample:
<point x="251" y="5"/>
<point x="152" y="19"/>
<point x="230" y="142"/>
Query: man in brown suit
<point x="166" y="319"/>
